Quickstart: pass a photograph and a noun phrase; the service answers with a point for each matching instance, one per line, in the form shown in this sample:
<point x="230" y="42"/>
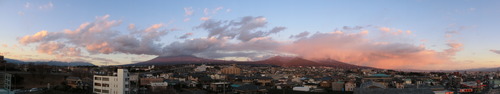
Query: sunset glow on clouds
<point x="362" y="36"/>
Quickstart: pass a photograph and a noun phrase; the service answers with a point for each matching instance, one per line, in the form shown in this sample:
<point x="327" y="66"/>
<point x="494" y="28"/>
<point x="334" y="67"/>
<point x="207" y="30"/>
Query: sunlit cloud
<point x="186" y="19"/>
<point x="188" y="11"/>
<point x="204" y="18"/>
<point x="495" y="51"/>
<point x="359" y="49"/>
<point x="46" y="6"/>
<point x="185" y="35"/>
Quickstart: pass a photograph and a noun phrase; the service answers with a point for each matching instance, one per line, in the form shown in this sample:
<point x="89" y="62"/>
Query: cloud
<point x="300" y="35"/>
<point x="220" y="48"/>
<point x="186" y="19"/>
<point x="58" y="49"/>
<point x="204" y="18"/>
<point x="217" y="9"/>
<point x="185" y="35"/>
<point x="246" y="37"/>
<point x="385" y="29"/>
<point x="206" y="11"/>
<point x="454" y="48"/>
<point x="98" y="37"/>
<point x="358" y="48"/>
<point x="244" y="29"/>
<point x="188" y="11"/>
<point x="393" y="31"/>
<point x="46" y="6"/>
<point x="39" y="36"/>
<point x="252" y="40"/>
<point x="27" y="5"/>
<point x="495" y="51"/>
<point x="20" y="13"/>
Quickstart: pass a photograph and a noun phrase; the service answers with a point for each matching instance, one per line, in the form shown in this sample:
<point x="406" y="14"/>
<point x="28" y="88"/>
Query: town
<point x="238" y="79"/>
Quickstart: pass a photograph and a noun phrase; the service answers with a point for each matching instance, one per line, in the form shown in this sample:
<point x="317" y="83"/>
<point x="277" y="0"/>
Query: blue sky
<point x="474" y="21"/>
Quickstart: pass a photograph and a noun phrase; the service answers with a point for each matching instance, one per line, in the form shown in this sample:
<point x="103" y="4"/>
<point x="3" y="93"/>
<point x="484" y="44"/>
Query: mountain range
<point x="276" y="61"/>
<point x="53" y="63"/>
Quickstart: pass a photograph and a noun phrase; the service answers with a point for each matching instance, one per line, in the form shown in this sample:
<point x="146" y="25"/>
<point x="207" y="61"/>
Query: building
<point x="338" y="86"/>
<point x="265" y="81"/>
<point x="74" y="82"/>
<point x="149" y="81"/>
<point x="5" y="79"/>
<point x="112" y="84"/>
<point x="231" y="70"/>
<point x="219" y="87"/>
<point x="201" y="68"/>
<point x="349" y="86"/>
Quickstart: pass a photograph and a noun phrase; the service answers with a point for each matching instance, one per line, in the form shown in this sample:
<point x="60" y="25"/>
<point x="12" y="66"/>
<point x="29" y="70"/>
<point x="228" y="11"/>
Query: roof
<point x="371" y="83"/>
<point x="248" y="87"/>
<point x="393" y="91"/>
<point x="73" y="78"/>
<point x="380" y="75"/>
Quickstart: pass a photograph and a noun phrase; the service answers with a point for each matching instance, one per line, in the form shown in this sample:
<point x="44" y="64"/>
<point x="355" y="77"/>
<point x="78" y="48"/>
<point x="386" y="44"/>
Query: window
<point x="105" y="79"/>
<point x="97" y="78"/>
<point x="97" y="90"/>
<point x="126" y="86"/>
<point x="97" y="84"/>
<point x="105" y="85"/>
<point x="105" y="91"/>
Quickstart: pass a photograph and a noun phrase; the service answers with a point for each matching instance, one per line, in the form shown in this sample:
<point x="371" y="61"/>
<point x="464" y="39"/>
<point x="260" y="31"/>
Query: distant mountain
<point x="338" y="64"/>
<point x="277" y="60"/>
<point x="288" y="61"/>
<point x="53" y="63"/>
<point x="483" y="69"/>
<point x="184" y="59"/>
<point x="297" y="61"/>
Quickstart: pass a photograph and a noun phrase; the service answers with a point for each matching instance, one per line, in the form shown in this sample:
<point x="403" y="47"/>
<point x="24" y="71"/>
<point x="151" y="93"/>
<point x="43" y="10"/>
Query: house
<point x="349" y="86"/>
<point x="74" y="82"/>
<point x="249" y="89"/>
<point x="220" y="87"/>
<point x="148" y="81"/>
<point x="264" y="81"/>
<point x="338" y="86"/>
<point x="325" y="84"/>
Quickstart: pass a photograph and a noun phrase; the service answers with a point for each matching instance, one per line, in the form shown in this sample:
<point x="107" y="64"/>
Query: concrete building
<point x="231" y="70"/>
<point x="5" y="79"/>
<point x="112" y="84"/>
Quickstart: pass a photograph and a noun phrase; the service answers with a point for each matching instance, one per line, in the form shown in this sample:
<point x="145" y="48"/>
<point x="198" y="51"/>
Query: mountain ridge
<point x="54" y="63"/>
<point x="276" y="60"/>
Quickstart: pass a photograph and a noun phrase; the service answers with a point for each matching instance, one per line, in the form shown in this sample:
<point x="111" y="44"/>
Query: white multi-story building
<point x="114" y="84"/>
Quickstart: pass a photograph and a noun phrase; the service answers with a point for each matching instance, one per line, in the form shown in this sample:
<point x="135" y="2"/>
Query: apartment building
<point x="118" y="83"/>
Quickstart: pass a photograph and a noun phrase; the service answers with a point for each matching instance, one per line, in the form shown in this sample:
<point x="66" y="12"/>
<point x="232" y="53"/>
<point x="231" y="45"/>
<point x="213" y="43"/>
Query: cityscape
<point x="249" y="47"/>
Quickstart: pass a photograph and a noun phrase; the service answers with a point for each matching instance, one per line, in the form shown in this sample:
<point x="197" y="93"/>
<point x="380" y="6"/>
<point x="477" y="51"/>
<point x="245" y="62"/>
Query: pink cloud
<point x="186" y="19"/>
<point x="188" y="11"/>
<point x="359" y="49"/>
<point x="495" y="51"/>
<point x="204" y="18"/>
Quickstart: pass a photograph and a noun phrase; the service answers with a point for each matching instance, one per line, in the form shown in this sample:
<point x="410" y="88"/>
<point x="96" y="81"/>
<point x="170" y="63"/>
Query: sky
<point x="390" y="34"/>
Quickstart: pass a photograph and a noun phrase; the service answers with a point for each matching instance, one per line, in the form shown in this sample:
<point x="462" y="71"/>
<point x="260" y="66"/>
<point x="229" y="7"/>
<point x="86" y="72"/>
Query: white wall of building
<point x="118" y="84"/>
